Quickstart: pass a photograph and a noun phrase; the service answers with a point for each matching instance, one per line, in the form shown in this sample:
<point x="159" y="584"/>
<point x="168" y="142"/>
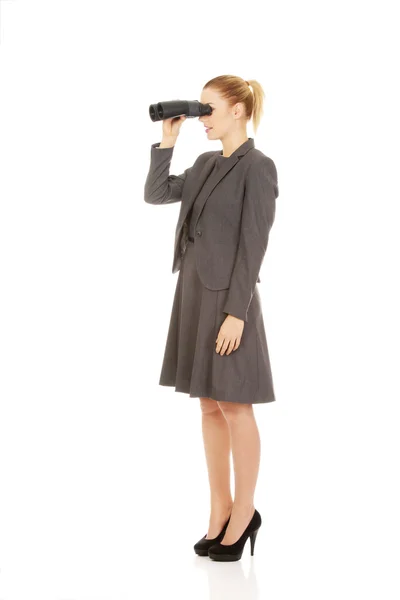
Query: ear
<point x="238" y="110"/>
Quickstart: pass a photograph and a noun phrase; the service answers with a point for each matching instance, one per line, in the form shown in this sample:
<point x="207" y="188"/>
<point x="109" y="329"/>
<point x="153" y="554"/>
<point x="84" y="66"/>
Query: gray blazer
<point x="237" y="212"/>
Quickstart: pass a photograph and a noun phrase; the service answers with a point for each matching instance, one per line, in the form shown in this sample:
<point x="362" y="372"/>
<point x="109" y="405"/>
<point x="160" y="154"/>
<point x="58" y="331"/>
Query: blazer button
<point x="198" y="232"/>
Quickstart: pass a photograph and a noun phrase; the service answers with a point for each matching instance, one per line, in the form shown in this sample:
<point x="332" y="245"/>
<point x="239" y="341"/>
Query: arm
<point x="161" y="187"/>
<point x="258" y="214"/>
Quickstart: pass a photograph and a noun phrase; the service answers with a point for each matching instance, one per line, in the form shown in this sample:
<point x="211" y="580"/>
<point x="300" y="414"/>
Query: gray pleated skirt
<point x="191" y="363"/>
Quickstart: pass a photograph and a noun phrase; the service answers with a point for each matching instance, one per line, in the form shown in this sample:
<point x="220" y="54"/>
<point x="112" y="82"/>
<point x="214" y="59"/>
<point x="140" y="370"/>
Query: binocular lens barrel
<point x="176" y="108"/>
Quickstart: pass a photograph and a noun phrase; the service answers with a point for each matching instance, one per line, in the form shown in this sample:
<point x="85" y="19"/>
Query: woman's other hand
<point x="229" y="335"/>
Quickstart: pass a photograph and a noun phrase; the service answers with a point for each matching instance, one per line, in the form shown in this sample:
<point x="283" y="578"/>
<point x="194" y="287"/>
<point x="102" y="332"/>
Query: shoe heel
<point x="253" y="536"/>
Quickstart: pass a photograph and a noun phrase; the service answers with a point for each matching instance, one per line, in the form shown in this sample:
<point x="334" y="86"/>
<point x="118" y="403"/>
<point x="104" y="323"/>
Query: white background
<point x="103" y="482"/>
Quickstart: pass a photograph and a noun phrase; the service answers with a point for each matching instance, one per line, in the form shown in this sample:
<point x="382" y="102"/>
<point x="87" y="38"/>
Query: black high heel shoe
<point x="201" y="547"/>
<point x="225" y="552"/>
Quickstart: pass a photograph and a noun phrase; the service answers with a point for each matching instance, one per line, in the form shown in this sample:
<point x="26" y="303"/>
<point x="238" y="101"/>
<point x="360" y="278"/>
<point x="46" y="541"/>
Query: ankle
<point x="220" y="511"/>
<point x="244" y="509"/>
<point x="221" y="501"/>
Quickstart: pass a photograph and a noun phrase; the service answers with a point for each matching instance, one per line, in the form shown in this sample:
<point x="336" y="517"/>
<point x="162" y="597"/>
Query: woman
<point x="216" y="347"/>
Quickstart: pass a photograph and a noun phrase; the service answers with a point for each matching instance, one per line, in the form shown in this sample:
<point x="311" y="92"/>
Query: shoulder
<point x="262" y="164"/>
<point x="262" y="170"/>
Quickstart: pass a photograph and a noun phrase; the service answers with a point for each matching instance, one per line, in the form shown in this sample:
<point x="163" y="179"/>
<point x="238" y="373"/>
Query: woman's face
<point x="223" y="119"/>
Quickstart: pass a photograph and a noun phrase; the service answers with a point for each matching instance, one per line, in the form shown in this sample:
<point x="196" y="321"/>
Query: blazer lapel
<point x="187" y="205"/>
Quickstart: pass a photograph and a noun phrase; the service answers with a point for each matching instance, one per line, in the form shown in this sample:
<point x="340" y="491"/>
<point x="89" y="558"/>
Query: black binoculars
<point x="176" y="108"/>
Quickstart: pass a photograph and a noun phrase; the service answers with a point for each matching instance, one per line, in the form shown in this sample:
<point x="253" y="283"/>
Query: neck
<point x="232" y="141"/>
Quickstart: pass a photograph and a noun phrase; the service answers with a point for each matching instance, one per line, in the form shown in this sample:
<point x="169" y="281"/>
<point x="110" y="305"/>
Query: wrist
<point x="168" y="142"/>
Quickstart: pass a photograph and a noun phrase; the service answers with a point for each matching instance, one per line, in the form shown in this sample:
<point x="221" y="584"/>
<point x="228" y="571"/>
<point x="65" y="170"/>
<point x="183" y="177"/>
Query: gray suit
<point x="232" y="228"/>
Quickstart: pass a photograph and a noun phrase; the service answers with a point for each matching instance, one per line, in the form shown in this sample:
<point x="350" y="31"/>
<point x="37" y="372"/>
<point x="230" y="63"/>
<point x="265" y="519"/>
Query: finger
<point x="237" y="343"/>
<point x="219" y="345"/>
<point x="231" y="346"/>
<point x="224" y="346"/>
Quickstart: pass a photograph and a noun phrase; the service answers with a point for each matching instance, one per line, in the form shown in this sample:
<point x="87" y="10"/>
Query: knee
<point x="234" y="411"/>
<point x="209" y="407"/>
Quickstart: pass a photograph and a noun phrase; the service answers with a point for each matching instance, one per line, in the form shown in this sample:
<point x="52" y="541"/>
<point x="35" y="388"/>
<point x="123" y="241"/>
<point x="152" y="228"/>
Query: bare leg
<point x="245" y="440"/>
<point x="217" y="450"/>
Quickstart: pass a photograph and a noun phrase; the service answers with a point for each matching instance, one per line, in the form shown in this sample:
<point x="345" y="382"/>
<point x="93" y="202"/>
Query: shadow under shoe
<point x="201" y="547"/>
<point x="225" y="552"/>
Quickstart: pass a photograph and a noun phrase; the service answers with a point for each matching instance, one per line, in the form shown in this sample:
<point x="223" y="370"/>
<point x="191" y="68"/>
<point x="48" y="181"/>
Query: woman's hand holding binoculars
<point x="170" y="129"/>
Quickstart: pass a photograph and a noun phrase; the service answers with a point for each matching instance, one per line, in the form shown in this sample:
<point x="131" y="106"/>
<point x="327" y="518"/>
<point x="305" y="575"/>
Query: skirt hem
<point x="214" y="396"/>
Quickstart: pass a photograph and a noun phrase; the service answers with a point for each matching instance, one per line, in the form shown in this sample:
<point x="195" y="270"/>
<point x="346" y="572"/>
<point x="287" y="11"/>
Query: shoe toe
<point x="201" y="547"/>
<point x="216" y="549"/>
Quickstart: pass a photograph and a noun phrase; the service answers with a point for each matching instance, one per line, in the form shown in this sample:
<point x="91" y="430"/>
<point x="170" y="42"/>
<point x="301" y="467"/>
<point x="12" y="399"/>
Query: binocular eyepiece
<point x="176" y="108"/>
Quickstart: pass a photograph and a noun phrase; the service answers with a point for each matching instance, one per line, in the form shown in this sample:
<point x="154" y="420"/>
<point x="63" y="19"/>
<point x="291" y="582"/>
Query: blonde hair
<point x="235" y="89"/>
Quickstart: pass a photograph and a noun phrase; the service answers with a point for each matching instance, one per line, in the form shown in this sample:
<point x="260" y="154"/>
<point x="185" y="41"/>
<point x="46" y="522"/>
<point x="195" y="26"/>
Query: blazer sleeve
<point x="258" y="214"/>
<point x="161" y="187"/>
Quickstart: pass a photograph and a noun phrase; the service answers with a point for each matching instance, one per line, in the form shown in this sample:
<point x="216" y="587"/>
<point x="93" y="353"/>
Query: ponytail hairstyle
<point x="235" y="89"/>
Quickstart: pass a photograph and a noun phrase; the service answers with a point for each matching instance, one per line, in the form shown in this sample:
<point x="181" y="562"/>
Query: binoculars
<point x="176" y="108"/>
